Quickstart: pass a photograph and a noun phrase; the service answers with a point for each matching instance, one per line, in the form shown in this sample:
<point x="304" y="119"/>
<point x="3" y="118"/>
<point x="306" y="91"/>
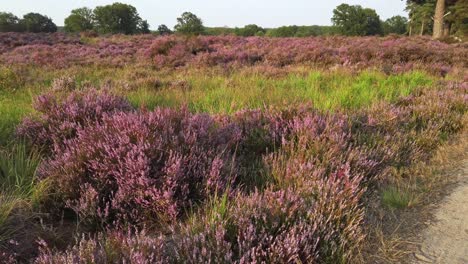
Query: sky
<point x="231" y="13"/>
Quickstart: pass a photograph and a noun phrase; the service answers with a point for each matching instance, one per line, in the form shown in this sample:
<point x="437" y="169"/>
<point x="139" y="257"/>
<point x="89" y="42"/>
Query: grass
<point x="13" y="107"/>
<point x="397" y="198"/>
<point x="324" y="90"/>
<point x="19" y="190"/>
<point x="215" y="90"/>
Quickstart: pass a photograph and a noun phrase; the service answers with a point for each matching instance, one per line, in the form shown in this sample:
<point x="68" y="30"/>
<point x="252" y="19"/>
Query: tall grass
<point x="20" y="191"/>
<point x="324" y="90"/>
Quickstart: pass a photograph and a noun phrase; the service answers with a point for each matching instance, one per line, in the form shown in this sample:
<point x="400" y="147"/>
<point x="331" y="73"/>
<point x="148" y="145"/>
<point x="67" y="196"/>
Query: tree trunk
<point x="447" y="29"/>
<point x="439" y="19"/>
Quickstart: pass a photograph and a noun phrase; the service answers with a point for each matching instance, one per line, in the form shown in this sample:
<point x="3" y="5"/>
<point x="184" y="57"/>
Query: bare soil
<point x="445" y="240"/>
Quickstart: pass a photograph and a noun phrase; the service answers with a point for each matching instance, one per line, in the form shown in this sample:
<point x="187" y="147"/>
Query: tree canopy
<point x="354" y="20"/>
<point x="118" y="18"/>
<point x="458" y="18"/>
<point x="395" y="25"/>
<point x="249" y="30"/>
<point x="189" y="24"/>
<point x="81" y="19"/>
<point x="34" y="22"/>
<point x="163" y="30"/>
<point x="8" y="22"/>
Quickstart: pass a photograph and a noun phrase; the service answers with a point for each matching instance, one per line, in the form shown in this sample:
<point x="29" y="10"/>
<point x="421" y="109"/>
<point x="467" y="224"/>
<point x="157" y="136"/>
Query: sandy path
<point x="445" y="241"/>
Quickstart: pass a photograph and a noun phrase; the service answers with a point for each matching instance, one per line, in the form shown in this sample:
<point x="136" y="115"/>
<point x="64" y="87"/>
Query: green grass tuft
<point x="397" y="198"/>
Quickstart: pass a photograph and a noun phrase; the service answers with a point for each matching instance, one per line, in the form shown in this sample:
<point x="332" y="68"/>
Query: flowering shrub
<point x="412" y="128"/>
<point x="395" y="53"/>
<point x="60" y="118"/>
<point x="273" y="227"/>
<point x="113" y="247"/>
<point x="147" y="167"/>
<point x="143" y="166"/>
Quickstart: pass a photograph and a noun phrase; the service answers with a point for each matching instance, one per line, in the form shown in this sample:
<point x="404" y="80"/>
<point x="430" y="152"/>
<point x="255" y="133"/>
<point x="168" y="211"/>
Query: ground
<point x="445" y="240"/>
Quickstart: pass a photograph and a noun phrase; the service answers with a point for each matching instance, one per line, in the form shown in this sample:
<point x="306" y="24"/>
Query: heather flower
<point x="59" y="118"/>
<point x="143" y="166"/>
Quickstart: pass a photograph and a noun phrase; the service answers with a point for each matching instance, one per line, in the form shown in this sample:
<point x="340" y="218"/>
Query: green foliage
<point x="119" y="18"/>
<point x="14" y="105"/>
<point x="80" y="20"/>
<point x="281" y="32"/>
<point x="9" y="22"/>
<point x="325" y="91"/>
<point x="219" y="31"/>
<point x="356" y="20"/>
<point x="163" y="30"/>
<point x="458" y="18"/>
<point x="395" y="25"/>
<point x="397" y="198"/>
<point x="421" y="16"/>
<point x="20" y="191"/>
<point x="300" y="31"/>
<point x="34" y="22"/>
<point x="18" y="170"/>
<point x="143" y="27"/>
<point x="249" y="31"/>
<point x="189" y="24"/>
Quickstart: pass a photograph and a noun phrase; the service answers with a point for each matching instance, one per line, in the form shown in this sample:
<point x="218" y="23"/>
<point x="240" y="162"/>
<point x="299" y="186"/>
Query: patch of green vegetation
<point x="324" y="90"/>
<point x="20" y="191"/>
<point x="397" y="198"/>
<point x="13" y="107"/>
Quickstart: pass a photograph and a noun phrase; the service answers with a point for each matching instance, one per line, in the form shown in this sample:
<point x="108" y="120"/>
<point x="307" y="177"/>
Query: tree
<point x="219" y="31"/>
<point x="438" y="31"/>
<point x="143" y="27"/>
<point x="441" y="19"/>
<point x="163" y="30"/>
<point x="34" y="22"/>
<point x="80" y="20"/>
<point x="9" y="22"/>
<point x="118" y="18"/>
<point x="458" y="18"/>
<point x="249" y="30"/>
<point x="189" y="24"/>
<point x="283" y="32"/>
<point x="396" y="25"/>
<point x="421" y="14"/>
<point x="356" y="21"/>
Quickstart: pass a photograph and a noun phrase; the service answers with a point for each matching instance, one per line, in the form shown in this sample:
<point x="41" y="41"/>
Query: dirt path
<point x="445" y="241"/>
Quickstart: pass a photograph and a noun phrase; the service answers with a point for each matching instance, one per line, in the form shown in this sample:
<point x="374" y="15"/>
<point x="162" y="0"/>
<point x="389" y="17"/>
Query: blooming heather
<point x="142" y="166"/>
<point x="60" y="118"/>
<point x="396" y="54"/>
<point x="147" y="167"/>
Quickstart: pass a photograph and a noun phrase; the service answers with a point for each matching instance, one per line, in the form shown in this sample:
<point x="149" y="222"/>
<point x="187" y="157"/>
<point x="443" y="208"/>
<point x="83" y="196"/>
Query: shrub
<point x="60" y="118"/>
<point x="113" y="247"/>
<point x="140" y="166"/>
<point x="143" y="166"/>
<point x="321" y="224"/>
<point x="400" y="53"/>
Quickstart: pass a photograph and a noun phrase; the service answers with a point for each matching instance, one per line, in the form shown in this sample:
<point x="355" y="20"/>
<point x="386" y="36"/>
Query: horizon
<point x="266" y="14"/>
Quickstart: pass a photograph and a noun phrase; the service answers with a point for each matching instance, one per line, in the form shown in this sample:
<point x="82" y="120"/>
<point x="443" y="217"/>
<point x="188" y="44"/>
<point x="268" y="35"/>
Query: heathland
<point x="171" y="149"/>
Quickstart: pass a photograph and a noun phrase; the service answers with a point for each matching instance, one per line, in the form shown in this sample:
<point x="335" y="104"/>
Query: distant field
<point x="221" y="149"/>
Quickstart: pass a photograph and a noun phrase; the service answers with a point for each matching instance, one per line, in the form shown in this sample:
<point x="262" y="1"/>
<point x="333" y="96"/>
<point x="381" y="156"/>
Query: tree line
<point x="31" y="22"/>
<point x="438" y="17"/>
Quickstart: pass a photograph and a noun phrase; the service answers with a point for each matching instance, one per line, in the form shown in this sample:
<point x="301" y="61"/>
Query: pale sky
<point x="265" y="13"/>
